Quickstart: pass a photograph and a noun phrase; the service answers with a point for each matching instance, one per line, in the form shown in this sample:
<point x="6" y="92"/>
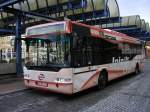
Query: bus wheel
<point x="137" y="69"/>
<point x="102" y="80"/>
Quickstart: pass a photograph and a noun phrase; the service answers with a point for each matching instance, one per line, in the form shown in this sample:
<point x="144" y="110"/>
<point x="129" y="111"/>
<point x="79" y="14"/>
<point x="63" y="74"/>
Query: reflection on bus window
<point x="52" y="51"/>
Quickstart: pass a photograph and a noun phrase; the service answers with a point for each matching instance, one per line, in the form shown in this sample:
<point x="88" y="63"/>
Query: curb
<point x="17" y="91"/>
<point x="9" y="81"/>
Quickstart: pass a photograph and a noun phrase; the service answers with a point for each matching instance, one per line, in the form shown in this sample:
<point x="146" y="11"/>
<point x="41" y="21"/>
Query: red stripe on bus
<point x="93" y="76"/>
<point x="125" y="38"/>
<point x="53" y="83"/>
<point x="110" y="72"/>
<point x="115" y="71"/>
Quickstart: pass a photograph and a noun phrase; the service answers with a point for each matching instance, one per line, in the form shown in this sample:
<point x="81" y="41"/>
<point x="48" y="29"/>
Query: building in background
<point x="7" y="48"/>
<point x="148" y="50"/>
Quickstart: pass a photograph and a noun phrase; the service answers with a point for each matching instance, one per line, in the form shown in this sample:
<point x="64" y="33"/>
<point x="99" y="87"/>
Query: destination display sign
<point x="46" y="29"/>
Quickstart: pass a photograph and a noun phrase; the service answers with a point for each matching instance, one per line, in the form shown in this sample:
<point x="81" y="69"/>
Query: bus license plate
<point x="43" y="84"/>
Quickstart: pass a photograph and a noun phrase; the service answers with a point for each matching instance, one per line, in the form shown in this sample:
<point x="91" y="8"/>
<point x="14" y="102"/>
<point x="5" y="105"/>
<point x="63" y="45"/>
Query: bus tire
<point x="102" y="80"/>
<point x="137" y="69"/>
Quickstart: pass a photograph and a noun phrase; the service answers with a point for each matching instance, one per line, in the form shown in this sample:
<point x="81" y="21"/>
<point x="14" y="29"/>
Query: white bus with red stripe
<point x="68" y="57"/>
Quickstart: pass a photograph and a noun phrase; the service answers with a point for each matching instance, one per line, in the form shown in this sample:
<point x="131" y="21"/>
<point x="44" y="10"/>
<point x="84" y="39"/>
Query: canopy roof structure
<point x="17" y="15"/>
<point x="83" y="10"/>
<point x="131" y="25"/>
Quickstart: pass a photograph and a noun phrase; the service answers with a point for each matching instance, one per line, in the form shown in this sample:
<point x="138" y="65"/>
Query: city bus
<point x="68" y="57"/>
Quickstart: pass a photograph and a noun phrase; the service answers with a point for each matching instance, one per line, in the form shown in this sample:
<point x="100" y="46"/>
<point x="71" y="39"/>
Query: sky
<point x="135" y="7"/>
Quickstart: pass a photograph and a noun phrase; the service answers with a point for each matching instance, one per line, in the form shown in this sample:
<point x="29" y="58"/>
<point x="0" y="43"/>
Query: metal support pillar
<point x="1" y="55"/>
<point x="19" y="69"/>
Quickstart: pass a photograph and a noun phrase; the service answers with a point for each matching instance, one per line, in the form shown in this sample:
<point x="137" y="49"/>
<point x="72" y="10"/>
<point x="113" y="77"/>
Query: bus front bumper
<point x="64" y="88"/>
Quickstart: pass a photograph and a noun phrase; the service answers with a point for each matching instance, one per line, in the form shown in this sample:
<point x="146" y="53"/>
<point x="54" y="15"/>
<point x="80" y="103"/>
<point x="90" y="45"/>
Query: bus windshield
<point x="54" y="51"/>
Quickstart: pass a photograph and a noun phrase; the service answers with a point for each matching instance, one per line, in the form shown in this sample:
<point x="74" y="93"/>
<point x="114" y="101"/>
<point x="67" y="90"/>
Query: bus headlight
<point x="63" y="80"/>
<point x="26" y="76"/>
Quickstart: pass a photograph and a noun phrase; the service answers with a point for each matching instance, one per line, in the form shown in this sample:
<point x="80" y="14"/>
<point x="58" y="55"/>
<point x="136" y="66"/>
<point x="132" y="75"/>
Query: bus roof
<point x="107" y="34"/>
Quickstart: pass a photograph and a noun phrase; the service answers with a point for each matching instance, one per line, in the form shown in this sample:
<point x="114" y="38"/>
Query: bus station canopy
<point x="94" y="12"/>
<point x="71" y="9"/>
<point x="131" y="25"/>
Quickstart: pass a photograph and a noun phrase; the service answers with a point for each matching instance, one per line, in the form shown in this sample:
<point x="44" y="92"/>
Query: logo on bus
<point x="119" y="59"/>
<point x="41" y="77"/>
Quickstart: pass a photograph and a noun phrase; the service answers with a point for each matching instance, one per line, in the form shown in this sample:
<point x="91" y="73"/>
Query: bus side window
<point x="109" y="51"/>
<point x="96" y="51"/>
<point x="76" y="50"/>
<point x="75" y="38"/>
<point x="83" y="53"/>
<point x="88" y="47"/>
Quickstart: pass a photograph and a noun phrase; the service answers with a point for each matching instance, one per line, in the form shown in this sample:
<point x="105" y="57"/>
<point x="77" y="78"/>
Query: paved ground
<point x="10" y="83"/>
<point x="128" y="94"/>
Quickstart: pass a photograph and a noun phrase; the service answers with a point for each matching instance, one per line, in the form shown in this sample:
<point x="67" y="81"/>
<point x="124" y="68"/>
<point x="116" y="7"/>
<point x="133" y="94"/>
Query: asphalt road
<point x="128" y="94"/>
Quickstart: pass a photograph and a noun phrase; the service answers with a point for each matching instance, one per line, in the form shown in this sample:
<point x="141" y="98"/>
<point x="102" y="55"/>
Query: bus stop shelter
<point x="131" y="25"/>
<point x="16" y="15"/>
